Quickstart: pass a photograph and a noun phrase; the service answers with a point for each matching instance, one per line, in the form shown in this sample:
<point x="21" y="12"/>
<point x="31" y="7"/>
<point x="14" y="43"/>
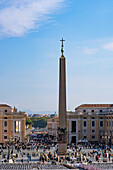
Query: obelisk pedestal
<point x="62" y="128"/>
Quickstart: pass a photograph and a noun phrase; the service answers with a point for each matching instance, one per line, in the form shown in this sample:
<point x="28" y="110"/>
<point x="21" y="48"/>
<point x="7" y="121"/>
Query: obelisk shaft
<point x="62" y="129"/>
<point x="62" y="94"/>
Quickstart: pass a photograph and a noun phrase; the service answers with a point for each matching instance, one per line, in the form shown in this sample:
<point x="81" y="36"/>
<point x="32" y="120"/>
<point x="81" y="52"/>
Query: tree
<point x="39" y="122"/>
<point x="28" y="122"/>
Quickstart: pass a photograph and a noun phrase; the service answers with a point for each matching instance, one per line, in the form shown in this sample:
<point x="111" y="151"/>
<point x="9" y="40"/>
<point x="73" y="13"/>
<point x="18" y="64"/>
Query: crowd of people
<point x="45" y="149"/>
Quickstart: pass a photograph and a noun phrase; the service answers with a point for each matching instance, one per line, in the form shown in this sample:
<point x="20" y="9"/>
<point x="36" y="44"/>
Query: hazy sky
<point x="30" y="33"/>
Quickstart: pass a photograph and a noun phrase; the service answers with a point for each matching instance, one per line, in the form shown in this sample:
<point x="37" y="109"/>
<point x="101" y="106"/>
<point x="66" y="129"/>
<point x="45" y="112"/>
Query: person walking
<point x="21" y="160"/>
<point x="28" y="160"/>
<point x="109" y="156"/>
<point x="30" y="157"/>
<point x="13" y="160"/>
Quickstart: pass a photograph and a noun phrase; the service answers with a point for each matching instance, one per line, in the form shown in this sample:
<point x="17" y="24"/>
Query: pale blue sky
<point x="30" y="33"/>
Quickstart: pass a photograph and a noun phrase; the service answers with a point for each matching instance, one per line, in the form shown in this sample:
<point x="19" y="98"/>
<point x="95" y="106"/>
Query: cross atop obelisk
<point x="62" y="49"/>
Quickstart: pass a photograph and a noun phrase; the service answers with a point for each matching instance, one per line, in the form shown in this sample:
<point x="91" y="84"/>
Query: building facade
<point x="93" y="122"/>
<point x="12" y="124"/>
<point x="52" y="126"/>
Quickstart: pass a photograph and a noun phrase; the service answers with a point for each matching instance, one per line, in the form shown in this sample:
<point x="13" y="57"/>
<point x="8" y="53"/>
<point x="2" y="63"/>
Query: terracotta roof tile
<point x="94" y="105"/>
<point x="4" y="105"/>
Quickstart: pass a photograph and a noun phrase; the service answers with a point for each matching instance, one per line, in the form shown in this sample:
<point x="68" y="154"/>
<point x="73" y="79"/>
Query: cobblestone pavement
<point x="15" y="166"/>
<point x="103" y="166"/>
<point x="30" y="166"/>
<point x="52" y="167"/>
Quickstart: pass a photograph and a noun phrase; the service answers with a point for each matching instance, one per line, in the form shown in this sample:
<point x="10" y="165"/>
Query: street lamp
<point x="110" y="140"/>
<point x="102" y="136"/>
<point x="10" y="143"/>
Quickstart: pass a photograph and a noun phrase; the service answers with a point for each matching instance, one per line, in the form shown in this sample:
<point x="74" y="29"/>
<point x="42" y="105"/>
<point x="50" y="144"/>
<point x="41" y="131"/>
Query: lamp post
<point x="9" y="149"/>
<point x="110" y="140"/>
<point x="10" y="143"/>
<point x="102" y="136"/>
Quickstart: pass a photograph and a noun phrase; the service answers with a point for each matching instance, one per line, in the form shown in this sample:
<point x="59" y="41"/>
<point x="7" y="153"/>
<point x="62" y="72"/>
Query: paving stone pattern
<point x="30" y="166"/>
<point x="51" y="167"/>
<point x="103" y="166"/>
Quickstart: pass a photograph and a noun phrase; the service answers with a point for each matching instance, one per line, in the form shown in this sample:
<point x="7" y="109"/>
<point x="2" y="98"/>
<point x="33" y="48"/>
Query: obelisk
<point x="62" y="128"/>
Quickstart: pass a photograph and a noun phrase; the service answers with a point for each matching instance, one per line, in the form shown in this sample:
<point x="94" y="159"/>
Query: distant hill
<point x="36" y="112"/>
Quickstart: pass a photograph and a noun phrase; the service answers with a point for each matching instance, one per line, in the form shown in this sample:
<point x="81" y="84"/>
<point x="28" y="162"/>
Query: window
<point x="107" y="123"/>
<point x="5" y="137"/>
<point x="93" y="137"/>
<point x="100" y="110"/>
<point x="92" y="111"/>
<point x="84" y="124"/>
<point x="84" y="110"/>
<point x="101" y="123"/>
<point x="5" y="131"/>
<point x="84" y="118"/>
<point x="17" y="125"/>
<point x="85" y="137"/>
<point x="73" y="139"/>
<point x="110" y="123"/>
<point x="5" y="123"/>
<point x="93" y="130"/>
<point x="93" y="123"/>
<point x="73" y="125"/>
<point x="5" y="117"/>
<point x="100" y="137"/>
<point x="84" y="130"/>
<point x="93" y="118"/>
<point x="101" y="117"/>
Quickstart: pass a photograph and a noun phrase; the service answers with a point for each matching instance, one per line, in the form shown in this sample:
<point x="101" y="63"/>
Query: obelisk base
<point x="62" y="143"/>
<point x="62" y="149"/>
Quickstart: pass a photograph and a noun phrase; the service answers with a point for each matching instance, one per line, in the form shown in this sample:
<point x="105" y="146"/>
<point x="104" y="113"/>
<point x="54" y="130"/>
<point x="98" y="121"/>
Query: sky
<point x="30" y="33"/>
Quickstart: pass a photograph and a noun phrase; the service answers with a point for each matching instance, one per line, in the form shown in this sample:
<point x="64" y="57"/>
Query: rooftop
<point x="94" y="105"/>
<point x="5" y="105"/>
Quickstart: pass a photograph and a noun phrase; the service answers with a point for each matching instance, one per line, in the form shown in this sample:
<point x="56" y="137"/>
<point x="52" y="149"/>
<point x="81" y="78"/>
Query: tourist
<point x="109" y="156"/>
<point x="21" y="160"/>
<point x="13" y="160"/>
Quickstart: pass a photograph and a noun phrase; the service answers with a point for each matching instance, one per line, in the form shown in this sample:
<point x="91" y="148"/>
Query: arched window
<point x="84" y="123"/>
<point x="93" y="123"/>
